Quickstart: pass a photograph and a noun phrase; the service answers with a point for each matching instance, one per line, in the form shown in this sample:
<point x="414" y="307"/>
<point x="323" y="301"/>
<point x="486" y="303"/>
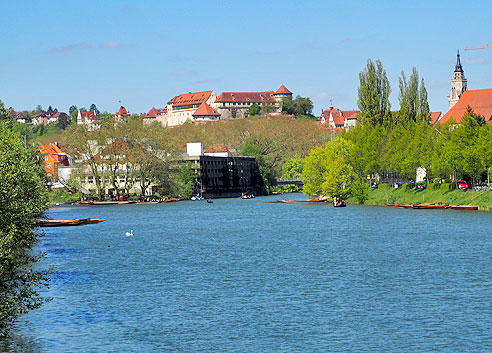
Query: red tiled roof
<point x="152" y="113"/>
<point x="221" y="149"/>
<point x="204" y="109"/>
<point x="88" y="114"/>
<point x="339" y="116"/>
<point x="480" y="100"/>
<point x="434" y="117"/>
<point x="190" y="98"/>
<point x="164" y="110"/>
<point x="246" y="97"/>
<point x="283" y="90"/>
<point x="122" y="112"/>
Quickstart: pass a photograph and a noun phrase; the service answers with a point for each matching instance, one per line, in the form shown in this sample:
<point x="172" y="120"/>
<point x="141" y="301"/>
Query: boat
<point x="67" y="222"/>
<point x="430" y="206"/>
<point x="341" y="203"/>
<point x="172" y="199"/>
<point x="104" y="203"/>
<point x="458" y="207"/>
<point x="294" y="201"/>
<point x="247" y="195"/>
<point x="210" y="201"/>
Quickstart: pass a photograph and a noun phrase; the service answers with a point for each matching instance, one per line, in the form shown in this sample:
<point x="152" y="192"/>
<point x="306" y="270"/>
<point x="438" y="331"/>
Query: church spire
<point x="458" y="83"/>
<point x="458" y="67"/>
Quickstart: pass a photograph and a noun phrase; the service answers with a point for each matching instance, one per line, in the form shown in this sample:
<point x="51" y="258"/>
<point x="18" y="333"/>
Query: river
<point x="246" y="276"/>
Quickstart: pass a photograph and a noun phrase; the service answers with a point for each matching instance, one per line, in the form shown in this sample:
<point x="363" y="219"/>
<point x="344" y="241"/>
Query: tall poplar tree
<point x="413" y="98"/>
<point x="373" y="94"/>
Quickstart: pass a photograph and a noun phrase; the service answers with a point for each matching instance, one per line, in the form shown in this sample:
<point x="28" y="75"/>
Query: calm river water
<point x="245" y="276"/>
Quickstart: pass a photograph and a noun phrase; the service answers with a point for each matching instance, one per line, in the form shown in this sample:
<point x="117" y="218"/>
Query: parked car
<point x="479" y="187"/>
<point x="462" y="185"/>
<point x="420" y="186"/>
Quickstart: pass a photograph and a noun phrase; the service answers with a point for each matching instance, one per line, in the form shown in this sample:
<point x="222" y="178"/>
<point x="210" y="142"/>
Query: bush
<point x="384" y="186"/>
<point x="433" y="186"/>
<point x="360" y="191"/>
<point x="448" y="186"/>
<point x="407" y="187"/>
<point x="436" y="180"/>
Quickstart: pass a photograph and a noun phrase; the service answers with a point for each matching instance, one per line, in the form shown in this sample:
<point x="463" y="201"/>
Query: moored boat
<point x="468" y="208"/>
<point x="67" y="222"/>
<point x="430" y="206"/>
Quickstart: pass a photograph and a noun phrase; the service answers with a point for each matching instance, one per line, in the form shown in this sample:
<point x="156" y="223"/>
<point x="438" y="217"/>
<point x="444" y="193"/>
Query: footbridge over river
<point x="289" y="181"/>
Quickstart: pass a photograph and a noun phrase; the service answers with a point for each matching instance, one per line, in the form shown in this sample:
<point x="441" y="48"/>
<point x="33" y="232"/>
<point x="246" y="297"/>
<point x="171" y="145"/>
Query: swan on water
<point x="129" y="234"/>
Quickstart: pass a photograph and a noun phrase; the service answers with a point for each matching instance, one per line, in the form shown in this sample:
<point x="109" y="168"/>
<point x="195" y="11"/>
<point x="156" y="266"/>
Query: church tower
<point x="458" y="83"/>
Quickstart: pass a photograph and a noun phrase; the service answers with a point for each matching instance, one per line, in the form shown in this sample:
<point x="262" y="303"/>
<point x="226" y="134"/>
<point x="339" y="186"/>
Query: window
<point x="48" y="165"/>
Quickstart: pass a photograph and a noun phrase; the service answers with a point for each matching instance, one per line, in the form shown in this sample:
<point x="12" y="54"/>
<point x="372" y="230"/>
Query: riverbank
<point x="59" y="197"/>
<point x="482" y="199"/>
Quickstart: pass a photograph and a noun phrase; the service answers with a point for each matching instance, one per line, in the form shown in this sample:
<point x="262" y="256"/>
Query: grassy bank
<point x="483" y="199"/>
<point x="62" y="197"/>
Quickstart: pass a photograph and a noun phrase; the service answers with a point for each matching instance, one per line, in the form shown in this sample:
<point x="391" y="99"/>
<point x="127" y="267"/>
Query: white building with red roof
<point x="235" y="105"/>
<point x="151" y="116"/>
<point x="205" y="113"/>
<point x="122" y="114"/>
<point x="338" y="119"/>
<point x="88" y="118"/>
<point x="181" y="108"/>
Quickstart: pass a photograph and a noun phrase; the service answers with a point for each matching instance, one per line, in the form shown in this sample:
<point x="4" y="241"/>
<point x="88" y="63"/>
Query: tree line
<point x="389" y="142"/>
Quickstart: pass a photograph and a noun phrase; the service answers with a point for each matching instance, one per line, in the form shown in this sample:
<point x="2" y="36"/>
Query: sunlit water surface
<point x="245" y="276"/>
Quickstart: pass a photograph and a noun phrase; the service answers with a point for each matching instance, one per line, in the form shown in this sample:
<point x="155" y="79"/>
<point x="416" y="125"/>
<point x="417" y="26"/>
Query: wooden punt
<point x="294" y="201"/>
<point x="67" y="222"/>
<point x="105" y="203"/>
<point x="173" y="199"/>
<point x="458" y="207"/>
<point x="430" y="206"/>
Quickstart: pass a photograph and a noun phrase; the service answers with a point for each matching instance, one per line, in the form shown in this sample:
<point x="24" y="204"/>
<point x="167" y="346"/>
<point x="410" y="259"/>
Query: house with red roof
<point x="88" y="118"/>
<point x="121" y="115"/>
<point x="151" y="116"/>
<point x="235" y="105"/>
<point x="205" y="113"/>
<point x="181" y="108"/>
<point x="338" y="119"/>
<point x="53" y="158"/>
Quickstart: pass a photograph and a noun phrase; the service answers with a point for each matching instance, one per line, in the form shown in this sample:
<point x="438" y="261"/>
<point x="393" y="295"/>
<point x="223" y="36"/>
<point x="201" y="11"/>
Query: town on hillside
<point x="219" y="169"/>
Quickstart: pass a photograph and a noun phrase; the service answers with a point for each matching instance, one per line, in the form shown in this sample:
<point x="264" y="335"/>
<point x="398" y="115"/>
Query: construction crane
<point x="477" y="47"/>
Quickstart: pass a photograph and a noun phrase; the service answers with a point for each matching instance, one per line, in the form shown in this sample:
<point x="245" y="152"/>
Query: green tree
<point x="328" y="171"/>
<point x="413" y="99"/>
<point x="254" y="109"/>
<point x="184" y="180"/>
<point x="105" y="118"/>
<point x="373" y="94"/>
<point x="63" y="121"/>
<point x="267" y="156"/>
<point x="303" y="106"/>
<point x="292" y="168"/>
<point x="23" y="201"/>
<point x="72" y="109"/>
<point x="5" y="115"/>
<point x="288" y="106"/>
<point x="94" y="109"/>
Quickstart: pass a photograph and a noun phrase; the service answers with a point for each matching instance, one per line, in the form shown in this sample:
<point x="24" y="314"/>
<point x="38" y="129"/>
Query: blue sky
<point x="143" y="53"/>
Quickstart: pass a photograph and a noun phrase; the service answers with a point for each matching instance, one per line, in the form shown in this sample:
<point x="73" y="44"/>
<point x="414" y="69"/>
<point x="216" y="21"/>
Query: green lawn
<point x="62" y="197"/>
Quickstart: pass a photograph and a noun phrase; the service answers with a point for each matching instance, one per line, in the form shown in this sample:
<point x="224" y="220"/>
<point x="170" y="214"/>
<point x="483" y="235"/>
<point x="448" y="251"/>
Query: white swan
<point x="129" y="234"/>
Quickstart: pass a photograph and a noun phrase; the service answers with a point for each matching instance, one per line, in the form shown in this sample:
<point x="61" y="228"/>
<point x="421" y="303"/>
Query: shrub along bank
<point x="381" y="196"/>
